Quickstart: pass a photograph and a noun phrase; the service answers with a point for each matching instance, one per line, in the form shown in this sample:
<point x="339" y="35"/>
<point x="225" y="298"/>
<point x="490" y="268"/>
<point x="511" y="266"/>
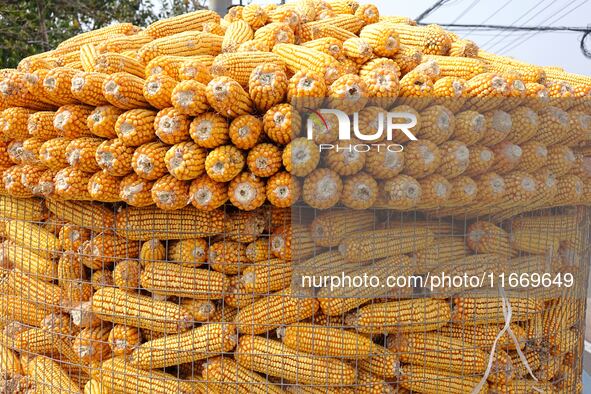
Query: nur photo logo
<point x="391" y="124"/>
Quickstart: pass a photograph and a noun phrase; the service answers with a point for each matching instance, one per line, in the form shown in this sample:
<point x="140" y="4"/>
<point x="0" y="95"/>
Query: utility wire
<point x="501" y="44"/>
<point x="511" y="46"/>
<point x="493" y="14"/>
<point x="431" y="9"/>
<point x="468" y="9"/>
<point x="459" y="26"/>
<point x="493" y="41"/>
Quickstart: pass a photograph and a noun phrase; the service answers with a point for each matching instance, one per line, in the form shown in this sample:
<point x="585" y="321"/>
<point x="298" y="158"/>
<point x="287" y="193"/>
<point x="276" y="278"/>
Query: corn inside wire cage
<point x="182" y="210"/>
<point x="145" y="300"/>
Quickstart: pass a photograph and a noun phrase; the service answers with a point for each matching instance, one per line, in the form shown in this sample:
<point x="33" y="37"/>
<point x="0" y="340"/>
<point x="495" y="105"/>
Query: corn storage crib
<point x="184" y="211"/>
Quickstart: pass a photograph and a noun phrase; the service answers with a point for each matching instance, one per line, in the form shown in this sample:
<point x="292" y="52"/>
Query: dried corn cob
<point x="283" y="189"/>
<point x="69" y="268"/>
<point x="124" y="339"/>
<point x="347" y="160"/>
<point x="534" y="156"/>
<point x="227" y="257"/>
<point x="57" y="85"/>
<point x="227" y="97"/>
<point x="114" y="157"/>
<point x="328" y="229"/>
<point x="91" y="344"/>
<point x="241" y="65"/>
<point x="266" y="277"/>
<point x="400" y="192"/>
<point x="322" y="188"/>
<point x="202" y="311"/>
<point x="126" y="275"/>
<point x="188" y="43"/>
<point x="119" y="44"/>
<point x="136" y="127"/>
<point x="152" y="250"/>
<point x="81" y="152"/>
<point x="300" y="157"/>
<point x="148" y="160"/>
<point x="326" y="341"/>
<point x="22" y="209"/>
<point x="105" y="248"/>
<point x="228" y="374"/>
<point x="421" y="379"/>
<point x="13" y="123"/>
<point x="236" y="33"/>
<point x="111" y="63"/>
<point x="22" y="309"/>
<point x="224" y="163"/>
<point x="196" y="67"/>
<point x="117" y="374"/>
<point x="193" y="345"/>
<point x="297" y="57"/>
<point x="485" y="237"/>
<point x="190" y="21"/>
<point x="102" y="120"/>
<point x="150" y="222"/>
<point x="28" y="261"/>
<point x="31" y="236"/>
<point x="88" y="215"/>
<point x="401" y="316"/>
<point x="245" y="227"/>
<point x="120" y="307"/>
<point x="71" y="184"/>
<point x="554" y="125"/>
<point x="360" y="191"/>
<point x="170" y="193"/>
<point x="307" y="89"/>
<point x="44" y="294"/>
<point x="260" y="354"/>
<point x="367" y="245"/>
<point x="158" y="90"/>
<point x="125" y="91"/>
<point x="530" y="73"/>
<point x="49" y="376"/>
<point x="439" y="352"/>
<point x="267" y="85"/>
<point x="488" y="310"/>
<point x="185" y="161"/>
<point x="104" y="187"/>
<point x="207" y="194"/>
<point x="280" y="308"/>
<point x="185" y="281"/>
<point x="210" y="130"/>
<point x="40" y="125"/>
<point x="136" y="191"/>
<point x="188" y="97"/>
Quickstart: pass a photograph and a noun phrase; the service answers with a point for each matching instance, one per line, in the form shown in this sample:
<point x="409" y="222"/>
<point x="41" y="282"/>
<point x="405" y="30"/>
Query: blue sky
<point x="543" y="48"/>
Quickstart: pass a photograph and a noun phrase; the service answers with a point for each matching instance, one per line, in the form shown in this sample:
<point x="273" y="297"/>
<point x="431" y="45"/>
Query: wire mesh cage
<point x="308" y="198"/>
<point x="296" y="300"/>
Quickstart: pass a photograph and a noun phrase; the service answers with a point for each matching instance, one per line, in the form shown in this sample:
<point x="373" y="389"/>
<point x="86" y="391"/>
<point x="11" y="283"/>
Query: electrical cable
<point x="516" y="43"/>
<point x="431" y="9"/>
<point x="493" y="14"/>
<point x="468" y="9"/>
<point x="500" y="37"/>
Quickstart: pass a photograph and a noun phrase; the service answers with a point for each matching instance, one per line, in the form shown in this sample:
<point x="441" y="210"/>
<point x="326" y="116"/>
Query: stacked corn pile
<point x="132" y="301"/>
<point x="201" y="110"/>
<point x="159" y="289"/>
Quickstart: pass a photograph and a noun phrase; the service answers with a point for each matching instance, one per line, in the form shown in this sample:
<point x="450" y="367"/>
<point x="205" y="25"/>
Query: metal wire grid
<point x="91" y="343"/>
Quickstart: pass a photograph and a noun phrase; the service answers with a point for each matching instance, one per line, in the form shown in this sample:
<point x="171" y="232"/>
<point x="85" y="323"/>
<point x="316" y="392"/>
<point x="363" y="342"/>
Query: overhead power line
<point x="431" y="9"/>
<point x="461" y="26"/>
<point x="501" y="36"/>
<point x="548" y="21"/>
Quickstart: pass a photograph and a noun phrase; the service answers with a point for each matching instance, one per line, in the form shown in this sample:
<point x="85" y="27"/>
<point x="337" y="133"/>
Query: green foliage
<point x="32" y="26"/>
